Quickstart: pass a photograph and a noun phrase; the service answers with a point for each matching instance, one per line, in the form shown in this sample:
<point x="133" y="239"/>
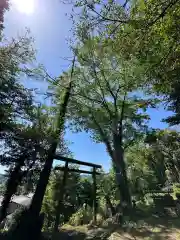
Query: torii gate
<point x="66" y="169"/>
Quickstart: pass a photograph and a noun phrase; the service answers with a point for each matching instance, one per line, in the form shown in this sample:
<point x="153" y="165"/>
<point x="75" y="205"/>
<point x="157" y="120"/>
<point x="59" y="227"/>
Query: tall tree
<point x="106" y="104"/>
<point x="59" y="126"/>
<point x="144" y="170"/>
<point x="164" y="153"/>
<point x="31" y="227"/>
<point x="16" y="105"/>
<point x="4" y="5"/>
<point x="15" y="100"/>
<point x="158" y="48"/>
<point x="149" y="31"/>
<point x="154" y="162"/>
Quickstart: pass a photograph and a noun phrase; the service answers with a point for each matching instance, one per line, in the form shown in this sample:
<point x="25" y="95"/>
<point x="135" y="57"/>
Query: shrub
<point x="82" y="216"/>
<point x="100" y="219"/>
<point x="15" y="218"/>
<point x="176" y="190"/>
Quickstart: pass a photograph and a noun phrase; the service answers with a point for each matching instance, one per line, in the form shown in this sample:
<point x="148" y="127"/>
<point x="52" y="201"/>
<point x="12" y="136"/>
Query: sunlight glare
<point x="24" y="6"/>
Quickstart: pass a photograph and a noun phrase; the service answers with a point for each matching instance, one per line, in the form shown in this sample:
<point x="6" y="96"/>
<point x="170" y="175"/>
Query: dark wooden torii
<point x="66" y="169"/>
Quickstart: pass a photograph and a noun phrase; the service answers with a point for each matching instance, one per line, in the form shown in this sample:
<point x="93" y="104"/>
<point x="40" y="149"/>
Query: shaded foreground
<point x="149" y="228"/>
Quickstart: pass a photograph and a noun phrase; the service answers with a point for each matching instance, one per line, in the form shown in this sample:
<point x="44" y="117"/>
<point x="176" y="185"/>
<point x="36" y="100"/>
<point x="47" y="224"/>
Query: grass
<point x="140" y="227"/>
<point x="151" y="228"/>
<point x="81" y="229"/>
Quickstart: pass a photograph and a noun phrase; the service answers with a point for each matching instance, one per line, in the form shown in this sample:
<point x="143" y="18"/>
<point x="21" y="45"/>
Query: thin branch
<point x="103" y="135"/>
<point x="102" y="92"/>
<point x="49" y="76"/>
<point x="114" y="30"/>
<point x="118" y="91"/>
<point x="102" y="97"/>
<point x="106" y="18"/>
<point x="125" y="3"/>
<point x="122" y="116"/>
<point x="163" y="13"/>
<point x="108" y="85"/>
<point x="114" y="96"/>
<point x="103" y="18"/>
<point x="88" y="98"/>
<point x="128" y="144"/>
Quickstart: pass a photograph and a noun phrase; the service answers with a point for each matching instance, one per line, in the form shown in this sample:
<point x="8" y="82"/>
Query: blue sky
<point x="51" y="29"/>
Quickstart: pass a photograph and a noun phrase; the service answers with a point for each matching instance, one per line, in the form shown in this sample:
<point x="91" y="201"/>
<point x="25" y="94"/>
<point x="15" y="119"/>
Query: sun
<point x="24" y="6"/>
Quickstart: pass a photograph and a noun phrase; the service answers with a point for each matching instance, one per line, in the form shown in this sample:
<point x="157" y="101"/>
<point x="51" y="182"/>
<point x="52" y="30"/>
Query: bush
<point x="176" y="190"/>
<point x="15" y="218"/>
<point x="82" y="216"/>
<point x="100" y="219"/>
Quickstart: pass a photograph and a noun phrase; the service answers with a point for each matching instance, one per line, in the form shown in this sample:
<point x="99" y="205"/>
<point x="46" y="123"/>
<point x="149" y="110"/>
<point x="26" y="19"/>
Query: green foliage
<point x="75" y="195"/>
<point x="118" y="73"/>
<point x="176" y="190"/>
<point x="107" y="100"/>
<point x="16" y="110"/>
<point x="15" y="218"/>
<point x="141" y="176"/>
<point x="166" y="149"/>
<point x="154" y="165"/>
<point x="82" y="216"/>
<point x="107" y="187"/>
<point x="158" y="49"/>
<point x="3" y="8"/>
<point x="84" y="191"/>
<point x="15" y="100"/>
<point x="125" y="58"/>
<point x="78" y="198"/>
<point x="148" y="32"/>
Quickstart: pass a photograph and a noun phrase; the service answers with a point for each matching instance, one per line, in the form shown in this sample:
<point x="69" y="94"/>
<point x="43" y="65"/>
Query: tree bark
<point x="61" y="198"/>
<point x="36" y="204"/>
<point x="122" y="181"/>
<point x="31" y="224"/>
<point x="159" y="169"/>
<point x="121" y="174"/>
<point x="11" y="187"/>
<point x="174" y="171"/>
<point x="109" y="205"/>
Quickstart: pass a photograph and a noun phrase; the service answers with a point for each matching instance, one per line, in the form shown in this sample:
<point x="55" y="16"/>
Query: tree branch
<point x="163" y="13"/>
<point x="128" y="144"/>
<point x="114" y="96"/>
<point x="102" y="97"/>
<point x="103" y="135"/>
<point x="87" y="97"/>
<point x="121" y="117"/>
<point x="108" y="85"/>
<point x="102" y="92"/>
<point x="106" y="18"/>
<point x="125" y="3"/>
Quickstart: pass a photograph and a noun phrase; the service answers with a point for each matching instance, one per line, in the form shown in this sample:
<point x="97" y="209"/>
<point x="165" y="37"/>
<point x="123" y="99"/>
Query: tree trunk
<point x="109" y="205"/>
<point x="121" y="174"/>
<point x="30" y="226"/>
<point x="174" y="171"/>
<point x="122" y="181"/>
<point x="11" y="187"/>
<point x="44" y="176"/>
<point x="177" y="163"/>
<point x="36" y="203"/>
<point x="159" y="170"/>
<point x="61" y="198"/>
